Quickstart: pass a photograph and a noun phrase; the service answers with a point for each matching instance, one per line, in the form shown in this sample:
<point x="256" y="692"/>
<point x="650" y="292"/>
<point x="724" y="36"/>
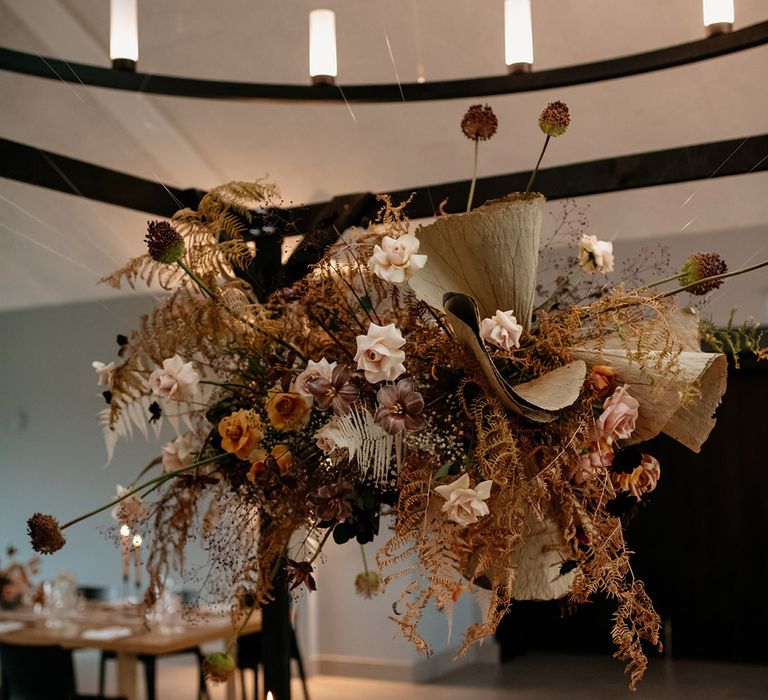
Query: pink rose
<point x="379" y="354"/>
<point x="462" y="504"/>
<point x="180" y="452"/>
<point x="502" y="329"/>
<point x="314" y="370"/>
<point x="619" y="414"/>
<point x="395" y="260"/>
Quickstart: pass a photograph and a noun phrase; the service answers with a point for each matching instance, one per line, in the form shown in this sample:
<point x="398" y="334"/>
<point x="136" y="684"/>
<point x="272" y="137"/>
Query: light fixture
<point x="718" y="16"/>
<point x="124" y="34"/>
<point x="322" y="47"/>
<point x="137" y="541"/>
<point x="518" y="35"/>
<point x="125" y="530"/>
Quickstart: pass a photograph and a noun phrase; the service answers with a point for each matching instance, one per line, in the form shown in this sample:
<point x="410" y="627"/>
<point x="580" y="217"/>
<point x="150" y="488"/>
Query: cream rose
<point x="619" y="414"/>
<point x="396" y="259"/>
<point x="594" y="255"/>
<point x="177" y="380"/>
<point x="379" y="354"/>
<point x="180" y="452"/>
<point x="329" y="436"/>
<point x="502" y="329"/>
<point x="462" y="504"/>
<point x="130" y="510"/>
<point x="314" y="370"/>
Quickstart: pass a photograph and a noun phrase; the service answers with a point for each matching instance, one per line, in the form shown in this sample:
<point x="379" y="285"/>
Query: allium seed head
<point x="164" y="242"/>
<point x="700" y="266"/>
<point x="479" y="123"/>
<point x="555" y="118"/>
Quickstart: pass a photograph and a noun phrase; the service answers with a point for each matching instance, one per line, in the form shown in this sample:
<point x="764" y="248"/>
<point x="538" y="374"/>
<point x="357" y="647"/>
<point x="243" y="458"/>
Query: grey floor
<point x="533" y="677"/>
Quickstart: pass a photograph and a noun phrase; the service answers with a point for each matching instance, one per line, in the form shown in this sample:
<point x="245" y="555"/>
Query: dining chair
<point x="39" y="673"/>
<point x="251" y="658"/>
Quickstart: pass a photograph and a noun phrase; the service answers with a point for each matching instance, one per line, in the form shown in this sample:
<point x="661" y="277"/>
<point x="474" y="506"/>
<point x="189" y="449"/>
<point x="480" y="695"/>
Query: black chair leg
<point x="302" y="675"/>
<point x="150" y="676"/>
<point x="102" y="673"/>
<point x="202" y="686"/>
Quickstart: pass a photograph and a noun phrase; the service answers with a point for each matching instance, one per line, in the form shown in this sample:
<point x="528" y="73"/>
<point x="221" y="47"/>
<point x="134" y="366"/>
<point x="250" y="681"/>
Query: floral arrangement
<point x="418" y="374"/>
<point x="16" y="579"/>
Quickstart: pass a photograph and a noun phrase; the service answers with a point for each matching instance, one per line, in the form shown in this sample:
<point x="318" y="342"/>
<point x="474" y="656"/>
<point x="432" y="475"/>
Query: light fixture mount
<point x="323" y="80"/>
<point x="126" y="65"/>
<point x="719" y="28"/>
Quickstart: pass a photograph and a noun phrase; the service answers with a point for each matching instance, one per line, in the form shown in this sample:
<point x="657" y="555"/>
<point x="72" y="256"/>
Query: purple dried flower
<point x="332" y="501"/>
<point x="700" y="266"/>
<point x="164" y="242"/>
<point x="555" y="118"/>
<point x="337" y="393"/>
<point x="400" y="408"/>
<point x="479" y="123"/>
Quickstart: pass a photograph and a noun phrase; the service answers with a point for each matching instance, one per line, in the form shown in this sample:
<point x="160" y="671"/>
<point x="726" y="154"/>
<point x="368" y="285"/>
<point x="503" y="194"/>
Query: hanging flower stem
<point x="715" y="278"/>
<point x="365" y="561"/>
<point x="536" y="169"/>
<point x="658" y="283"/>
<point x="135" y="490"/>
<point x="474" y="178"/>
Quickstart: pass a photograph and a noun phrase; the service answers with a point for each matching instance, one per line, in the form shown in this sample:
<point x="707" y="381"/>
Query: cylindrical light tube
<point x="718" y="16"/>
<point x="124" y="34"/>
<point x="322" y="47"/>
<point x="518" y="35"/>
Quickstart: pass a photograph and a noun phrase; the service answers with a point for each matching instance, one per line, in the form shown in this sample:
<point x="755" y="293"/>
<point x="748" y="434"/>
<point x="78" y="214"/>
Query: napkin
<point x="10" y="627"/>
<point x="106" y="633"/>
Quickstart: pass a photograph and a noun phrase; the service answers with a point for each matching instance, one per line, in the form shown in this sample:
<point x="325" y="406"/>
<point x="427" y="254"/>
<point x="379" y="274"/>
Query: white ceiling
<point x="55" y="246"/>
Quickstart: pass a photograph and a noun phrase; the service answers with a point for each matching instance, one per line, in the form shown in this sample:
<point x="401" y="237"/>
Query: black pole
<point x="276" y="640"/>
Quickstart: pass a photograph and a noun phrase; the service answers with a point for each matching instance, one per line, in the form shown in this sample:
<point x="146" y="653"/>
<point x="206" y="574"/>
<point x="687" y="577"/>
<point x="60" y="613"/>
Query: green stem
<point x="474" y="178"/>
<point x="197" y="280"/>
<point x="715" y="278"/>
<point x="133" y="491"/>
<point x="365" y="561"/>
<point x="658" y="283"/>
<point x="321" y="545"/>
<point x="536" y="169"/>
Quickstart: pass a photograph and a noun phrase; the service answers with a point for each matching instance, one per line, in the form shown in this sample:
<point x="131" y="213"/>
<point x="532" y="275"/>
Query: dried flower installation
<point x="416" y="373"/>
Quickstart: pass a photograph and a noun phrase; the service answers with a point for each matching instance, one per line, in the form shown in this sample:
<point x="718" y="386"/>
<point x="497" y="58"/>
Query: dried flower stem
<point x="365" y="561"/>
<point x="536" y="169"/>
<point x="321" y="545"/>
<point x="658" y="283"/>
<point x="474" y="178"/>
<point x="714" y="278"/>
<point x="135" y="490"/>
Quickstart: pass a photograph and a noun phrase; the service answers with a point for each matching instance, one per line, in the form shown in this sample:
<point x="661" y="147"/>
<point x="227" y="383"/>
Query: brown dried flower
<point x="400" y="408"/>
<point x="45" y="533"/>
<point x="332" y="501"/>
<point x="368" y="584"/>
<point x="700" y="266"/>
<point x="301" y="572"/>
<point x="479" y="123"/>
<point x="338" y="393"/>
<point x="164" y="242"/>
<point x="218" y="667"/>
<point x="555" y="118"/>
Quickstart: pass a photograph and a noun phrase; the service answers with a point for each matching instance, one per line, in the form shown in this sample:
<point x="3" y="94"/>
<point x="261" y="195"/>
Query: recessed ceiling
<point x="56" y="245"/>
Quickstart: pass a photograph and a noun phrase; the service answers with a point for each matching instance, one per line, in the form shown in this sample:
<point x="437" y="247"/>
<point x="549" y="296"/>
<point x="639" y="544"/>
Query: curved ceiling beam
<point x="659" y="59"/>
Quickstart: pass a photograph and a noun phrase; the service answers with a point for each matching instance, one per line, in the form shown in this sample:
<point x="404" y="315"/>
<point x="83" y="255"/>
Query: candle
<point x="137" y="561"/>
<point x="125" y="532"/>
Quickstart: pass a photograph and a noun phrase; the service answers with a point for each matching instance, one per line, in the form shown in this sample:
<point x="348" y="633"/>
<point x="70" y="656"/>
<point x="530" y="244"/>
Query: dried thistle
<point x="218" y="667"/>
<point x="479" y="124"/>
<point x="555" y="118"/>
<point x="698" y="267"/>
<point x="45" y="533"/>
<point x="164" y="243"/>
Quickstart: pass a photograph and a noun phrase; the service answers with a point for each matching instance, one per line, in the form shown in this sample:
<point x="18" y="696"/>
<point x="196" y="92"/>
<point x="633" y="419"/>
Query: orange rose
<point x="287" y="411"/>
<point x="241" y="433"/>
<point x="603" y="380"/>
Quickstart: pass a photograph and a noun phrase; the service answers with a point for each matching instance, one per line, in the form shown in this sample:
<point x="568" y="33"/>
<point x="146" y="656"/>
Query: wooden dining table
<point x="191" y="629"/>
